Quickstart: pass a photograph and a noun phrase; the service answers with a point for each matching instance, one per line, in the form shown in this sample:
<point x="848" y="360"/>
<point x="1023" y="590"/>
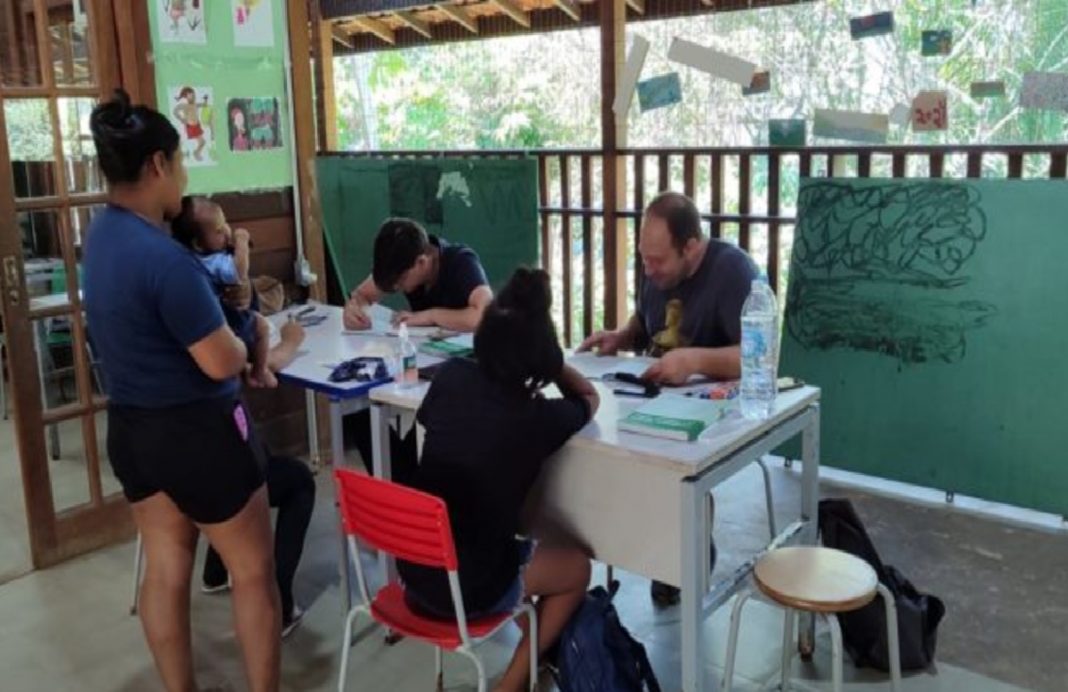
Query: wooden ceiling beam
<point x="518" y="15"/>
<point x="460" y="16"/>
<point x="637" y="5"/>
<point x="414" y="23"/>
<point x="570" y="8"/>
<point x="376" y="27"/>
<point x="339" y="36"/>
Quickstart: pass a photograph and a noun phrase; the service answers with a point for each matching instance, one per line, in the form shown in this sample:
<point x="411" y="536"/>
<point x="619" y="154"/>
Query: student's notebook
<point x="454" y="347"/>
<point x="674" y="417"/>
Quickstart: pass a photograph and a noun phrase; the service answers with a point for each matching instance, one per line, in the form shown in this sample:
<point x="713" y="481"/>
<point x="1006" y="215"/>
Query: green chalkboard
<point x="491" y="205"/>
<point x="933" y="315"/>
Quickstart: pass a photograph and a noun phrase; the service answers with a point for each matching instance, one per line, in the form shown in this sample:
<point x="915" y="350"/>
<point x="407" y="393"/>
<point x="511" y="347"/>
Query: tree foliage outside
<point x="543" y="92"/>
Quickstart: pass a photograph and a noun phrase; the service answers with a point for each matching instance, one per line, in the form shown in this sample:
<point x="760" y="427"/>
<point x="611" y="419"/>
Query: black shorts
<point x="204" y="455"/>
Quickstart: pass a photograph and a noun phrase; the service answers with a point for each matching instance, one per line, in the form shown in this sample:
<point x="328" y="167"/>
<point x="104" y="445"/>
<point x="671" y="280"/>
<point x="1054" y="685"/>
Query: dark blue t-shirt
<point x="459" y="273"/>
<point x="704" y="310"/>
<point x="147" y="300"/>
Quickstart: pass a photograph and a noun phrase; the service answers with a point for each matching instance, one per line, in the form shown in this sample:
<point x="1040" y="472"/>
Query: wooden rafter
<point x="414" y="23"/>
<point x="460" y="16"/>
<point x="376" y="27"/>
<point x="570" y="8"/>
<point x="637" y="5"/>
<point x="518" y="15"/>
<point x="339" y="36"/>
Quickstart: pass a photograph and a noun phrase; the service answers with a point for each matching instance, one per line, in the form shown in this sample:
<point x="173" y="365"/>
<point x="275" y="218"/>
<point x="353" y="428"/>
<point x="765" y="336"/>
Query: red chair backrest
<point x="406" y="523"/>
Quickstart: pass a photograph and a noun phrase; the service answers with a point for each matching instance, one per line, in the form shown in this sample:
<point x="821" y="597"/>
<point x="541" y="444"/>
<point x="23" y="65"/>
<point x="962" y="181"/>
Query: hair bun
<point x="114" y="116"/>
<point x="528" y="291"/>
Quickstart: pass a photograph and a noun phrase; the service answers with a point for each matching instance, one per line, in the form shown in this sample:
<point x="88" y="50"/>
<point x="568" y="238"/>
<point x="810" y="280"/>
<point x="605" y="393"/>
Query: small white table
<point x="640" y="503"/>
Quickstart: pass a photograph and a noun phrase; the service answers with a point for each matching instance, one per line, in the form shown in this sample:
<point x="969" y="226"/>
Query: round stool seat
<point x="814" y="579"/>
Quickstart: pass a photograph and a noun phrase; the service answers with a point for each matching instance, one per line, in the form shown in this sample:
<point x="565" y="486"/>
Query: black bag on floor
<point x="864" y="630"/>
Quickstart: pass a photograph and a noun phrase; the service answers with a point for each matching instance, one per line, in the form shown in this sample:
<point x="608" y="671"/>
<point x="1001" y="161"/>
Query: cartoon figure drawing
<point x="238" y="130"/>
<point x="178" y="10"/>
<point x="244" y="10"/>
<point x="189" y="114"/>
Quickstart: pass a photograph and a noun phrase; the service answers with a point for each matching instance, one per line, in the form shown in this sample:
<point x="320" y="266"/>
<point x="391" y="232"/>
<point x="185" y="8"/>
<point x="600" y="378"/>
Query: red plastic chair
<point x="413" y="526"/>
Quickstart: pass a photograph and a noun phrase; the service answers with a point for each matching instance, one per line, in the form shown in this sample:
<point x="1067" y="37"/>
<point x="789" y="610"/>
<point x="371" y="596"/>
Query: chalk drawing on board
<point x="454" y="184"/>
<point x="875" y="268"/>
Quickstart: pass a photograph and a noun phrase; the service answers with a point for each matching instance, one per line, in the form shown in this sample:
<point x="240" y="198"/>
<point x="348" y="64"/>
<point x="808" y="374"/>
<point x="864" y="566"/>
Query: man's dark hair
<point x="516" y="344"/>
<point x="397" y="246"/>
<point x="681" y="216"/>
<point x="128" y="136"/>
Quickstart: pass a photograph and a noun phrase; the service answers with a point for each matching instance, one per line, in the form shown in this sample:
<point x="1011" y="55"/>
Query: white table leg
<point x="337" y="459"/>
<point x="315" y="457"/>
<point x="810" y="498"/>
<point x="695" y="531"/>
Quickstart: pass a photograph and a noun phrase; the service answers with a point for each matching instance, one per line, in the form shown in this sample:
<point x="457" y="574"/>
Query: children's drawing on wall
<point x="253" y="23"/>
<point x="193" y="110"/>
<point x="254" y="124"/>
<point x="182" y="21"/>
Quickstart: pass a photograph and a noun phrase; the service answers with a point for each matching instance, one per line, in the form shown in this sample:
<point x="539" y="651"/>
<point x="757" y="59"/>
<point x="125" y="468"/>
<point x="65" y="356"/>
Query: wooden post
<point x="326" y="103"/>
<point x="304" y="124"/>
<point x="614" y="184"/>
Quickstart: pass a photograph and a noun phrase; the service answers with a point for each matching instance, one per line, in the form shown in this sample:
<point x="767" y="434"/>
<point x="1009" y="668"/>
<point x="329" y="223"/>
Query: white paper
<point x="632" y="70"/>
<point x="595" y="367"/>
<point x="712" y="61"/>
<point x="253" y="23"/>
<point x="900" y="114"/>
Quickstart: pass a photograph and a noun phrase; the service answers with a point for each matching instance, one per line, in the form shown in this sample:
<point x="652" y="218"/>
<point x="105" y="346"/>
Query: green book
<point x="458" y="347"/>
<point x="674" y="417"/>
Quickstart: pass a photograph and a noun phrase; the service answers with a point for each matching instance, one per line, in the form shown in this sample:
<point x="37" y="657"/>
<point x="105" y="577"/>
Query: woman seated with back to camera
<point x="489" y="429"/>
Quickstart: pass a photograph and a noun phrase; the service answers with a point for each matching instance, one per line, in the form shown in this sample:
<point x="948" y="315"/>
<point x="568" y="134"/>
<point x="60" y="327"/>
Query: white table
<point x="641" y="503"/>
<point x="325" y="345"/>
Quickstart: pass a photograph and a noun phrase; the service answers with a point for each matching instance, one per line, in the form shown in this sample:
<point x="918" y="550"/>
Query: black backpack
<point x="864" y="630"/>
<point x="596" y="653"/>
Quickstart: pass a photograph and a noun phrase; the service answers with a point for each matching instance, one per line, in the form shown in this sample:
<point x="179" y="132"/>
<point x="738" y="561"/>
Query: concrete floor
<point x="69" y="628"/>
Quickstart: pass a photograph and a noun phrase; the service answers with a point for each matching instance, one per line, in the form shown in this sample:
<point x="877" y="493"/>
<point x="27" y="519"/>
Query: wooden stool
<point x="821" y="581"/>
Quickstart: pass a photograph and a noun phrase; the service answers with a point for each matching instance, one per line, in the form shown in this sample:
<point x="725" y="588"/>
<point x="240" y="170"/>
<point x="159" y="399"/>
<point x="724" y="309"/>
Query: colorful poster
<point x="192" y="109"/>
<point x="181" y="21"/>
<point x="851" y="125"/>
<point x="937" y="42"/>
<point x="659" y="92"/>
<point x="761" y="84"/>
<point x="254" y="124"/>
<point x="1045" y="91"/>
<point x="253" y="23"/>
<point x="929" y="111"/>
<point x="786" y="133"/>
<point x="878" y="24"/>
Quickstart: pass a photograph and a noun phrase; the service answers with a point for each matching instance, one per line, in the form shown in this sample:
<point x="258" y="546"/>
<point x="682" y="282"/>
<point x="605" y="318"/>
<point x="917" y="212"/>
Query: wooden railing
<point x="748" y="196"/>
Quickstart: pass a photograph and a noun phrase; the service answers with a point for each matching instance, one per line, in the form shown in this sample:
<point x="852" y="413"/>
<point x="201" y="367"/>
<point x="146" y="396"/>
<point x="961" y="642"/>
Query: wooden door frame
<point x="55" y="536"/>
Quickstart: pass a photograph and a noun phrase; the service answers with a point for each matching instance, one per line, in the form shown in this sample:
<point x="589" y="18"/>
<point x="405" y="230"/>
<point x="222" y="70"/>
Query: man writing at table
<point x="689" y="306"/>
<point x="444" y="282"/>
<point x="446" y="287"/>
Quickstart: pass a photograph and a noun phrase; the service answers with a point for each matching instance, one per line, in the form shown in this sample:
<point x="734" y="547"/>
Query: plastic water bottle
<point x="408" y="374"/>
<point x="760" y="351"/>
